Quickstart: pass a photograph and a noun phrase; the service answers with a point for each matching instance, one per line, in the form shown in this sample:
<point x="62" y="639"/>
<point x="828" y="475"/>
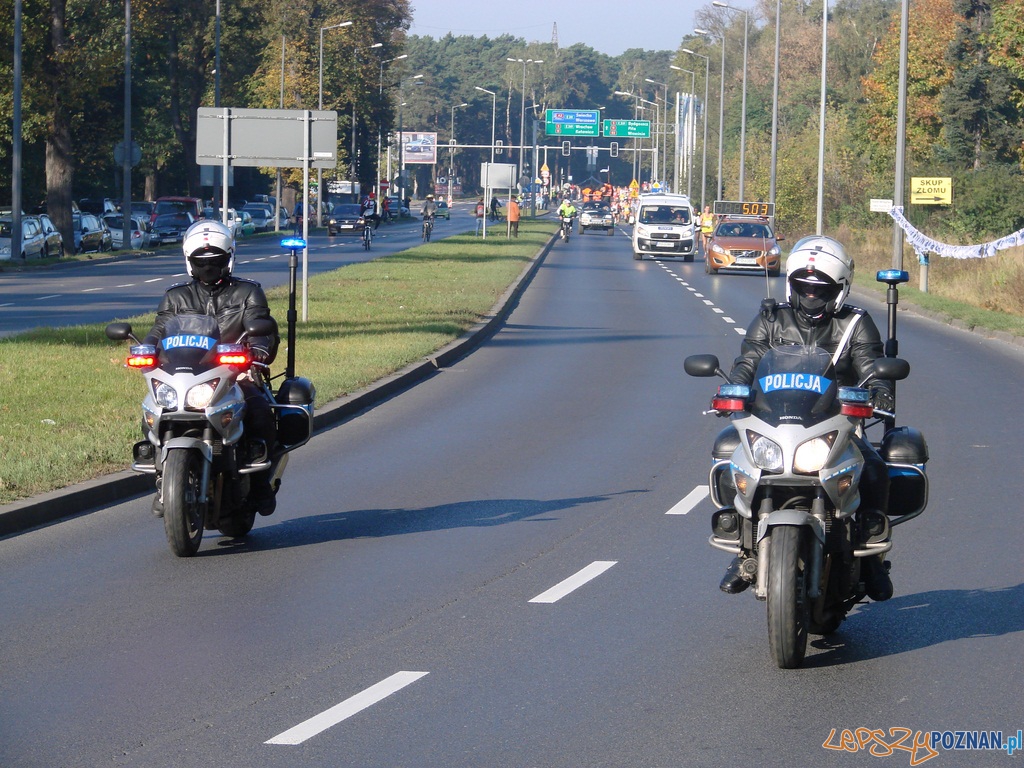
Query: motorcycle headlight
<point x="165" y="396"/>
<point x="200" y="396"/>
<point x="766" y="453"/>
<point x="811" y="456"/>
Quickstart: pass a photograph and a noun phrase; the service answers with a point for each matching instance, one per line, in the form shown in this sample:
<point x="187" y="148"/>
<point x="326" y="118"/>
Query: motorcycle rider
<point x="209" y="248"/>
<point x="819" y="275"/>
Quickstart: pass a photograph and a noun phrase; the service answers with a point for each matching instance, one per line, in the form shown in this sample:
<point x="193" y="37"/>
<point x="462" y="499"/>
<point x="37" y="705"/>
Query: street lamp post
<point x="352" y="156"/>
<point x="494" y="112"/>
<point x="401" y="142"/>
<point x="743" y="107"/>
<point x="704" y="141"/>
<point x="721" y="107"/>
<point x="451" y="154"/>
<point x="522" y="106"/>
<point x="664" y="172"/>
<point x="319" y="171"/>
<point x="380" y="95"/>
<point x="775" y="102"/>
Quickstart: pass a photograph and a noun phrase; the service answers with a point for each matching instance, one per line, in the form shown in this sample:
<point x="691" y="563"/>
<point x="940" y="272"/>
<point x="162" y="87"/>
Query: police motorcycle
<point x="192" y="418"/>
<point x="785" y="480"/>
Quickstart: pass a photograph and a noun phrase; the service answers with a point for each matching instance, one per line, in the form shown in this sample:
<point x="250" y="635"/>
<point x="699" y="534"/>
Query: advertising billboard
<point x="419" y="147"/>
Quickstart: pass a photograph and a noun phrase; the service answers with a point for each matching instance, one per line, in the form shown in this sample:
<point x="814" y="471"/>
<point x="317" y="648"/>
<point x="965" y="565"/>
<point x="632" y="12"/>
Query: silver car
<point x="33" y="239"/>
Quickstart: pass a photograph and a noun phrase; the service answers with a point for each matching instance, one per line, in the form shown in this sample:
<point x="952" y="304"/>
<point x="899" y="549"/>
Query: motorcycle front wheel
<point x="183" y="514"/>
<point x="788" y="604"/>
<point x="239" y="523"/>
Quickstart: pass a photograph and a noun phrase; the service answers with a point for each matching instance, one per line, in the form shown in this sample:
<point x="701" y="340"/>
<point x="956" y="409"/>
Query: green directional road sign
<point x="565" y="129"/>
<point x="629" y="129"/>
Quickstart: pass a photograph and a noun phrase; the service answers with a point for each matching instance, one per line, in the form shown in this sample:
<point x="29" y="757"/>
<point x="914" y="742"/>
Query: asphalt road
<point x="106" y="289"/>
<point x="507" y="566"/>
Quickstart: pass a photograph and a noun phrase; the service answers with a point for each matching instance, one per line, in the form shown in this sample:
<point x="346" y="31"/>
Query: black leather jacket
<point x="784" y="325"/>
<point x="233" y="301"/>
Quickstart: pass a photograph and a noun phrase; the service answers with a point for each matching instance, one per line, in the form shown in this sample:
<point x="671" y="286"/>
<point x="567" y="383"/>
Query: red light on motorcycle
<point x="235" y="359"/>
<point x="142" y="362"/>
<point x="729" y="404"/>
<point x="857" y="411"/>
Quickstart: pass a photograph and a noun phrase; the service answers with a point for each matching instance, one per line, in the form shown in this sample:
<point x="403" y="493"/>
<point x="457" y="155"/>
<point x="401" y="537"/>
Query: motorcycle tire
<point x="788" y="604"/>
<point x="183" y="514"/>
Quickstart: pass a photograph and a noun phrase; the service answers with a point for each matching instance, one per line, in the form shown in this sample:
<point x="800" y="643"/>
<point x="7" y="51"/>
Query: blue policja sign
<point x="197" y="342"/>
<point x="807" y="382"/>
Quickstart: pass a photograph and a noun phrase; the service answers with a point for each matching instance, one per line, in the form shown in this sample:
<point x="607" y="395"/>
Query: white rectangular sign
<point x="880" y="206"/>
<point x="498" y="175"/>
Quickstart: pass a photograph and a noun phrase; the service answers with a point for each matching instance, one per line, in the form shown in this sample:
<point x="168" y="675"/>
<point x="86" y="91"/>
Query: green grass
<point x="70" y="411"/>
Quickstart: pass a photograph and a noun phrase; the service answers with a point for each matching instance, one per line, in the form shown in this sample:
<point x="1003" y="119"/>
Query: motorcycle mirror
<point x="119" y="331"/>
<point x="702" y="366"/>
<point x="892" y="368"/>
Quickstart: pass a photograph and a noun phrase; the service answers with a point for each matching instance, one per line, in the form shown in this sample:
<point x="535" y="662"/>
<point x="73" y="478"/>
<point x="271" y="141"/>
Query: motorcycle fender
<point x="790" y="517"/>
<point x="186" y="442"/>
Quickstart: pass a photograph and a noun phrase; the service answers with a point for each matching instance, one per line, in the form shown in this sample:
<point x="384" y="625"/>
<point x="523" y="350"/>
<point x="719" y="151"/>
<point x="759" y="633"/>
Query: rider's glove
<point x="883" y="400"/>
<point x="260" y="355"/>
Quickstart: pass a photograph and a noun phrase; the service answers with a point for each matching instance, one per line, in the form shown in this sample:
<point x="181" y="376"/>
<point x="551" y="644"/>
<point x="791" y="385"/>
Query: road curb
<point x="100" y="492"/>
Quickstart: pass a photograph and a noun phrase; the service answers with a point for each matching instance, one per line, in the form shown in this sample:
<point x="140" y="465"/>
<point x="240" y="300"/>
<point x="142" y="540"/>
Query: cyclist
<point x="429" y="211"/>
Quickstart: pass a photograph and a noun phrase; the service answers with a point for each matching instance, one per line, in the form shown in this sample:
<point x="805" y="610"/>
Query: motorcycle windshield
<point x="795" y="384"/>
<point x="188" y="344"/>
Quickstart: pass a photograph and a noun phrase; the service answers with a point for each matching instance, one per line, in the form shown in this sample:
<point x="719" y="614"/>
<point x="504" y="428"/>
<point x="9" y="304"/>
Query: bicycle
<point x="428" y="225"/>
<point x="367" y="236"/>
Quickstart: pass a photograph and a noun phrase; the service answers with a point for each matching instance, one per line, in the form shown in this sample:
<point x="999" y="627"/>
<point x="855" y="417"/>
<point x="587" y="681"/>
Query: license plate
<point x="347" y="226"/>
<point x="666" y="245"/>
<point x="746" y="260"/>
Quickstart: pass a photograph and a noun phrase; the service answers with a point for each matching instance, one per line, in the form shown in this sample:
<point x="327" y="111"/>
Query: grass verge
<point x="69" y="410"/>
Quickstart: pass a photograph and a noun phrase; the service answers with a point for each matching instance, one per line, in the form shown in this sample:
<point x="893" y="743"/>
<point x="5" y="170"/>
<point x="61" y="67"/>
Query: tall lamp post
<point x="401" y="141"/>
<point x="319" y="171"/>
<point x="721" y="106"/>
<point x="494" y="112"/>
<point x="522" y="106"/>
<point x="775" y="101"/>
<point x="664" y="172"/>
<point x="352" y="156"/>
<point x="380" y="97"/>
<point x="743" y="109"/>
<point x="451" y="154"/>
<point x="704" y="141"/>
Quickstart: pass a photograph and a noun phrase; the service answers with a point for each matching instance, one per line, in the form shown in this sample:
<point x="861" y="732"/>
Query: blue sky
<point x="648" y="24"/>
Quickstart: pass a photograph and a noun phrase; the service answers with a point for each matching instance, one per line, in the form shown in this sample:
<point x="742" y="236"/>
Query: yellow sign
<point x="931" y="191"/>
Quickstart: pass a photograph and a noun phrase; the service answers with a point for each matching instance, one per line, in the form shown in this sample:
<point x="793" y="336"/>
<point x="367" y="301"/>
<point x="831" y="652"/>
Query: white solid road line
<point x="346" y="709"/>
<point x="693" y="498"/>
<point x="574" y="582"/>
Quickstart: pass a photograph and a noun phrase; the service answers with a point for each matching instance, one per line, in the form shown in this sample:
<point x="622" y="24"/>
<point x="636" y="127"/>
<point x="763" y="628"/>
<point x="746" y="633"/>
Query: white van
<point x="664" y="227"/>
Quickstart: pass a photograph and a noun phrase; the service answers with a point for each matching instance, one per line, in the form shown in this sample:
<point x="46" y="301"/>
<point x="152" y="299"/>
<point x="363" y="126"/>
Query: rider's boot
<point x="875" y="572"/>
<point x="733" y="582"/>
<point x="158" y="500"/>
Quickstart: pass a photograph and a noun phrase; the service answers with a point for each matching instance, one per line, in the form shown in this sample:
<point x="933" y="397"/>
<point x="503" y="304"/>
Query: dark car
<point x="91" y="234"/>
<point x="170" y="227"/>
<point x="346" y="219"/>
<point x="597" y="216"/>
<point x="54" y="245"/>
<point x="744" y="243"/>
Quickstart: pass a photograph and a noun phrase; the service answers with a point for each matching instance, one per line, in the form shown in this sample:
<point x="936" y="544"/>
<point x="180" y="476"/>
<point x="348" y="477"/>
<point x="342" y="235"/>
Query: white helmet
<point x="209" y="248"/>
<point x="819" y="275"/>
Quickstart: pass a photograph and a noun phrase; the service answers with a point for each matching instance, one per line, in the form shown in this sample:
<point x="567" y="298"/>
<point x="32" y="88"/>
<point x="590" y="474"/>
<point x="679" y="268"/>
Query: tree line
<point x="965" y="85"/>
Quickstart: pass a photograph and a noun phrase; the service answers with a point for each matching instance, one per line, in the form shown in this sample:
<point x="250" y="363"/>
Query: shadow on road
<point x="911" y="622"/>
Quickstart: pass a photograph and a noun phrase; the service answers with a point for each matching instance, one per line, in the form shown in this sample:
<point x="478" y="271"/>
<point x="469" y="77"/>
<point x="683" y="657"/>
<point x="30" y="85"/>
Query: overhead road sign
<point x="931" y="191"/>
<point x="629" y="129"/>
<point x="566" y="129"/>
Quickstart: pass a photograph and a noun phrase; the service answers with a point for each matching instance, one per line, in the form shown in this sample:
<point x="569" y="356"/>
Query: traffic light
<point x="566" y="148"/>
<point x="615" y="149"/>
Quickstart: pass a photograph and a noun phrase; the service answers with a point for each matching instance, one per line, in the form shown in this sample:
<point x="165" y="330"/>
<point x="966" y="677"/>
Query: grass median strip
<point x="70" y="411"/>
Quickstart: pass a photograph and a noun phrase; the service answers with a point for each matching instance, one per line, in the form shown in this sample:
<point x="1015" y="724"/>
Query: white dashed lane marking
<point x="707" y="302"/>
<point x="574" y="582"/>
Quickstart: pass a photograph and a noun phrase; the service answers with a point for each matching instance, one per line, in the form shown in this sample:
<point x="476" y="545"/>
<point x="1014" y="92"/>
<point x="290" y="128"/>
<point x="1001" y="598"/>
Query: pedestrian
<point x="513" y="217"/>
<point x="481" y="211"/>
<point x="297" y="215"/>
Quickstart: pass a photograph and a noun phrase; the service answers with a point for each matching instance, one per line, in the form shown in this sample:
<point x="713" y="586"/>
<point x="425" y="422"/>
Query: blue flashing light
<point x="893" y="276"/>
<point x="740" y="391"/>
<point x="293" y="243"/>
<point x="854" y="395"/>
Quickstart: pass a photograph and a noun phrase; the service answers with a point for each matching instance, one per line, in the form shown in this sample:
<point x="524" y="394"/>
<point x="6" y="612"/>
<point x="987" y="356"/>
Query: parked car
<point x="234" y="221"/>
<point x="171" y="204"/>
<point x="91" y="233"/>
<point x="139" y="235"/>
<point x="248" y="226"/>
<point x="144" y="209"/>
<point x="396" y="208"/>
<point x="170" y="227"/>
<point x="744" y="243"/>
<point x="262" y="215"/>
<point x="33" y="241"/>
<point x="595" y="215"/>
<point x="54" y="240"/>
<point x="346" y="219"/>
<point x="97" y="206"/>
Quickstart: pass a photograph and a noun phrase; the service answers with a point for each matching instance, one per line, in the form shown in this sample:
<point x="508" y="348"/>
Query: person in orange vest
<point x="513" y="217"/>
